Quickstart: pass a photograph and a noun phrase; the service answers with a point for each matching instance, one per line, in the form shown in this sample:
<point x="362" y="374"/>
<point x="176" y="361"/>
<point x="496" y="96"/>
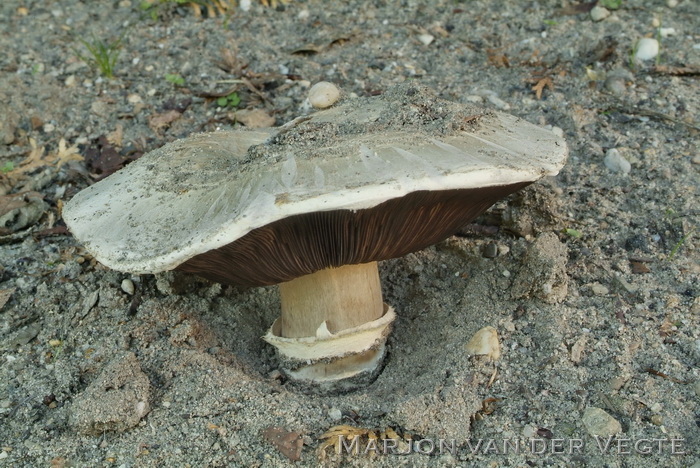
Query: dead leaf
<point x="289" y="443"/>
<point x="103" y="159"/>
<point x="255" y="118"/>
<point x="664" y="376"/>
<point x="37" y="123"/>
<point x="639" y="268"/>
<point x="65" y="154"/>
<point x="158" y="121"/>
<point x="54" y="231"/>
<point x="575" y="9"/>
<point x="497" y="59"/>
<point x="541" y="84"/>
<point x="117" y="136"/>
<point x="308" y="49"/>
<point x="33" y="161"/>
<point x="5" y="295"/>
<point x="691" y="70"/>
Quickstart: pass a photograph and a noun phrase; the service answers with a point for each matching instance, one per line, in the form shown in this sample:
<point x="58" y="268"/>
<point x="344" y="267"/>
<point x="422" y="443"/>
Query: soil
<point x="590" y="278"/>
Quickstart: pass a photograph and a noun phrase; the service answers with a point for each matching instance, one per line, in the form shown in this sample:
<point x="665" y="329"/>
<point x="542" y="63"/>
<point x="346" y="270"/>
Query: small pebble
<point x="490" y="250"/>
<point x="600" y="423"/>
<point x="128" y="286"/>
<point x="323" y="94"/>
<point x="665" y="32"/>
<point x="485" y="343"/>
<point x="646" y="49"/>
<point x="615" y="85"/>
<point x="599" y="13"/>
<point x="657" y="420"/>
<point x="70" y="81"/>
<point x="558" y="131"/>
<point x="599" y="290"/>
<point x="616" y="162"/>
<point x="335" y="414"/>
<point x="426" y="39"/>
<point x="48" y="128"/>
<point x="696" y="388"/>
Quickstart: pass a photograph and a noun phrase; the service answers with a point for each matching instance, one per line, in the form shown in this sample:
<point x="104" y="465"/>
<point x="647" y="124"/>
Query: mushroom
<point x="313" y="206"/>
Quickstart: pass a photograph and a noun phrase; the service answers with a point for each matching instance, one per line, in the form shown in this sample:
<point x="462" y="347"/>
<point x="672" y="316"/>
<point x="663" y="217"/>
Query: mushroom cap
<point x="370" y="179"/>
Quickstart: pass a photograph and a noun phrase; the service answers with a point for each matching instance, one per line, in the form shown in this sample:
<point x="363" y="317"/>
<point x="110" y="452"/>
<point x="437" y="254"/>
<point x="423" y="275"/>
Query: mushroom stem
<point x="332" y="332"/>
<point x="343" y="298"/>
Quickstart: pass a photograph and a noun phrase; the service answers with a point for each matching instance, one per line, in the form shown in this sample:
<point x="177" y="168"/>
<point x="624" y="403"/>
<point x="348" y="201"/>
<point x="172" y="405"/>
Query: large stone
<point x="114" y="401"/>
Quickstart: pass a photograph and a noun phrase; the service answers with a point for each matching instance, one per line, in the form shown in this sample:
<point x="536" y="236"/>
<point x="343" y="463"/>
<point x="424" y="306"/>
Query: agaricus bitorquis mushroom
<point x="312" y="206"/>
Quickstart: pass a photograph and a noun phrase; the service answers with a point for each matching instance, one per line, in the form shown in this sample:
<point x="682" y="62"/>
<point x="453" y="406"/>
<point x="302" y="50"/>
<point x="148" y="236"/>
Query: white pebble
<point x="335" y="414"/>
<point x="647" y="48"/>
<point x="426" y="39"/>
<point x="128" y="286"/>
<point x="599" y="13"/>
<point x="244" y="5"/>
<point x="665" y="32"/>
<point x="558" y="131"/>
<point x="323" y="94"/>
<point x="616" y="162"/>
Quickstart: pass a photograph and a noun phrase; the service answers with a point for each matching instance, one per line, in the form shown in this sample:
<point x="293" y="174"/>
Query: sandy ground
<point x="591" y="278"/>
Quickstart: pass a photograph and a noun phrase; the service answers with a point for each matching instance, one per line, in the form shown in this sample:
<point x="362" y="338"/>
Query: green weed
<point x="679" y="244"/>
<point x="232" y="100"/>
<point x="610" y="4"/>
<point x="102" y="55"/>
<point x="175" y="79"/>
